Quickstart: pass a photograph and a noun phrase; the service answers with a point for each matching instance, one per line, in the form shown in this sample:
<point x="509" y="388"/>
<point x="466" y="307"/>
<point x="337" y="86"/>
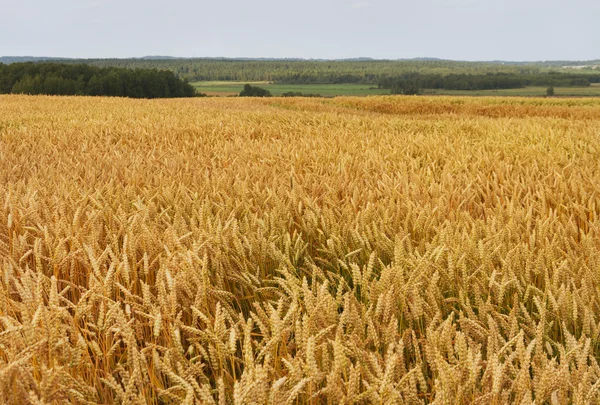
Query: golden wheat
<point x="299" y="251"/>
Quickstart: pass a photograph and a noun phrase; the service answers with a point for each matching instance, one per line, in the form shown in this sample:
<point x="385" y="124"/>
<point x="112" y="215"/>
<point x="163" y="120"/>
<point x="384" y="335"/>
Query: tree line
<point x="308" y="71"/>
<point x="412" y="83"/>
<point x="82" y="79"/>
<point x="159" y="78"/>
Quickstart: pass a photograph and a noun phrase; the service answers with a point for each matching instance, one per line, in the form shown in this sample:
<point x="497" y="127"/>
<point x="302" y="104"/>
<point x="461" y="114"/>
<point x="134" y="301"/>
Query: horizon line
<point x="259" y="58"/>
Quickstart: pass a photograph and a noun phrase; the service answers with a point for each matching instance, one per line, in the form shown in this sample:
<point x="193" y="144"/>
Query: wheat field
<point x="380" y="250"/>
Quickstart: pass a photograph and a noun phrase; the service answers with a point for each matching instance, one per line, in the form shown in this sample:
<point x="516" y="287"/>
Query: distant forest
<point x="411" y="83"/>
<point x="160" y="78"/>
<point x="298" y="71"/>
<point x="82" y="79"/>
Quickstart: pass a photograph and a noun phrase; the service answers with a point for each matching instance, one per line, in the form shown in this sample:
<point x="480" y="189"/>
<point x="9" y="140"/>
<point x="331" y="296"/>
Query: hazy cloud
<point x="360" y="4"/>
<point x="97" y="3"/>
<point x="454" y="3"/>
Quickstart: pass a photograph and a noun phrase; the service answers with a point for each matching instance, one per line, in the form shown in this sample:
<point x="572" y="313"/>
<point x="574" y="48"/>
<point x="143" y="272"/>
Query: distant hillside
<point x="322" y="71"/>
<point x="18" y="59"/>
<point x="302" y="71"/>
<point x="157" y="57"/>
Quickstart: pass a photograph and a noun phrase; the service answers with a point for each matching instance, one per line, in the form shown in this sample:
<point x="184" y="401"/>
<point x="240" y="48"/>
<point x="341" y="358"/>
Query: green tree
<point x="254" y="91"/>
<point x="81" y="79"/>
<point x="95" y="87"/>
<point x="113" y="84"/>
<point x="550" y="91"/>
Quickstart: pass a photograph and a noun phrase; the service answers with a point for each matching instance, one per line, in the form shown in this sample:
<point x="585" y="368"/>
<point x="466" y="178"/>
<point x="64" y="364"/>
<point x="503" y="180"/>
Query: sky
<point x="517" y="30"/>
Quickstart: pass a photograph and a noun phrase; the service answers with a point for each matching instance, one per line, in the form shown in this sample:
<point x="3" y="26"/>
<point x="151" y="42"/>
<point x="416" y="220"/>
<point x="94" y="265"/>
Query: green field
<point x="231" y="88"/>
<point x="217" y="88"/>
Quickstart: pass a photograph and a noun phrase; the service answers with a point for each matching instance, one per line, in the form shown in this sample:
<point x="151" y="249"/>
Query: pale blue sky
<point x="452" y="29"/>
